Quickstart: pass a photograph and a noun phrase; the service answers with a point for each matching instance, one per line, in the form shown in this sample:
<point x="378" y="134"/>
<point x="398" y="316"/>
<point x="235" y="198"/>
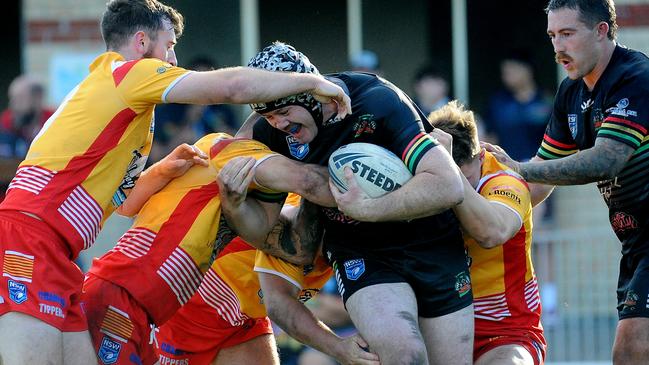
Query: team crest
<point x="572" y="124"/>
<point x="297" y="149"/>
<point x="365" y="124"/>
<point x="17" y="292"/>
<point x="109" y="351"/>
<point x="354" y="268"/>
<point x="462" y="283"/>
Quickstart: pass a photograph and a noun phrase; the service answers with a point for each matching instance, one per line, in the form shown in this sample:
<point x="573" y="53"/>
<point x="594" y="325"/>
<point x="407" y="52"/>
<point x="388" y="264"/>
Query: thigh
<point x="386" y="317"/>
<point x="449" y="338"/>
<point x="631" y="344"/>
<point x="506" y="355"/>
<point x="78" y="349"/>
<point x="119" y="327"/>
<point x="20" y="334"/>
<point x="260" y="350"/>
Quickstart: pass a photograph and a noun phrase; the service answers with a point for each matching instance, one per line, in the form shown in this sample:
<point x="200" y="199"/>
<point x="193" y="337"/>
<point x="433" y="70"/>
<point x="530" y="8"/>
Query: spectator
<point x="431" y="89"/>
<point x="185" y="123"/>
<point x="518" y="113"/>
<point x="366" y="61"/>
<point x="24" y="117"/>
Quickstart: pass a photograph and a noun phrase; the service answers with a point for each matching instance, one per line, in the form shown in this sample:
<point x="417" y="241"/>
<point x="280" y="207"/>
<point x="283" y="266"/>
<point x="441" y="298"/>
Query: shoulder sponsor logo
<point x="161" y="69"/>
<point x="297" y="149"/>
<point x="354" y="268"/>
<point x="572" y="124"/>
<point x="507" y="194"/>
<point x="17" y="292"/>
<point x="620" y="109"/>
<point x="109" y="351"/>
<point x="586" y="105"/>
<point x="307" y="294"/>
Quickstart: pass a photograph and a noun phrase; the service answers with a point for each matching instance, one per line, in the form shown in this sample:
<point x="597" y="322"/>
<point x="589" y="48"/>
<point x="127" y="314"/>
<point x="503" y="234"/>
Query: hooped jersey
<point x="231" y="287"/>
<point x="615" y="109"/>
<point x="382" y="114"/>
<point x="175" y="237"/>
<point x="505" y="290"/>
<point x="93" y="147"/>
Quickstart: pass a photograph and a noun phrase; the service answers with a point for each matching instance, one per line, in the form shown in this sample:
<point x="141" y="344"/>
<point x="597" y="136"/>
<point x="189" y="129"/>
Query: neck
<point x="127" y="53"/>
<point x="591" y="79"/>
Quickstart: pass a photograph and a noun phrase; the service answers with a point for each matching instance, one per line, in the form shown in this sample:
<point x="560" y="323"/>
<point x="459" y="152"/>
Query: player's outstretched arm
<point x="249" y="218"/>
<point x="280" y="173"/>
<point x="283" y="307"/>
<point x="245" y="85"/>
<point x="435" y="187"/>
<point x="159" y="174"/>
<point x="490" y="224"/>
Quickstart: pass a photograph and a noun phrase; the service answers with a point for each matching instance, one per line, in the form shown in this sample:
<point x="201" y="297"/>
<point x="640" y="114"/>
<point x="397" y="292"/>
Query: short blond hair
<point x="454" y="119"/>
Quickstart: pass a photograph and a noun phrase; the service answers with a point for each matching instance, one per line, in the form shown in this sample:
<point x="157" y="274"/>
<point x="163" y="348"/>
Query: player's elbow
<point x="493" y="235"/>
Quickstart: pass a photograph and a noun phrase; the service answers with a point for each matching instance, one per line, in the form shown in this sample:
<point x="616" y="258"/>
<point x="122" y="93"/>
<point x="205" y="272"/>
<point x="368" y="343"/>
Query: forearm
<point x="250" y="221"/>
<point x="601" y="162"/>
<point x="481" y="219"/>
<point x="315" y="186"/>
<point x="149" y="183"/>
<point x="255" y="85"/>
<point x="423" y="195"/>
<point x="298" y="321"/>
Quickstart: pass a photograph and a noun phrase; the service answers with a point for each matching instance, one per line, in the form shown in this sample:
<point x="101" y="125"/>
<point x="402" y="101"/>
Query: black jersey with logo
<point x="382" y="114"/>
<point x="616" y="108"/>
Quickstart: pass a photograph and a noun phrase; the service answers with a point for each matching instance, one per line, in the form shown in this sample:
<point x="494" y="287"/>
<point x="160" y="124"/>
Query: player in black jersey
<point x="598" y="133"/>
<point x="404" y="278"/>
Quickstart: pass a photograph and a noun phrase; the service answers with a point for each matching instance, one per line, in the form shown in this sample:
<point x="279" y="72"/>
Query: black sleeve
<point x="558" y="140"/>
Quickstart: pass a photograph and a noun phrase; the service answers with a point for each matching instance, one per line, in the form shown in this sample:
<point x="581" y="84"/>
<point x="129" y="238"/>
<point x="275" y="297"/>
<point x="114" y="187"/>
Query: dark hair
<point x="123" y="18"/>
<point x="429" y="71"/>
<point x="591" y="12"/>
<point x="460" y="123"/>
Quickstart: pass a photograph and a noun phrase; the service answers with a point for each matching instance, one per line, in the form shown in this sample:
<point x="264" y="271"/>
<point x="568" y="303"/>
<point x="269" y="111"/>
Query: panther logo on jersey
<point x="365" y="124"/>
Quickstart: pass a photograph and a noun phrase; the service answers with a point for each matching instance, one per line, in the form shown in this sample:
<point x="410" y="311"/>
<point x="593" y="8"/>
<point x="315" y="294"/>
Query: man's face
<point x="472" y="171"/>
<point x="294" y="120"/>
<point x="163" y="47"/>
<point x="575" y="44"/>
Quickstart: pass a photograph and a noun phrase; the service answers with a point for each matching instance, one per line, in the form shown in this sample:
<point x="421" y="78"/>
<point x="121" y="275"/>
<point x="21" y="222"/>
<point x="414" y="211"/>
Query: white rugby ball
<point x="377" y="170"/>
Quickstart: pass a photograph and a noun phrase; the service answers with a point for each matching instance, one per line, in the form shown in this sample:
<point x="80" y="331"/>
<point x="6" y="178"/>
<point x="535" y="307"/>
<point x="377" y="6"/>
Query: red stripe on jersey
<point x="515" y="260"/>
<point x="627" y="122"/>
<point x="405" y="151"/>
<point x="183" y="217"/>
<point x="80" y="167"/>
<point x="237" y="245"/>
<point x="122" y="71"/>
<point x="220" y="146"/>
<point x="503" y="174"/>
<point x="557" y="143"/>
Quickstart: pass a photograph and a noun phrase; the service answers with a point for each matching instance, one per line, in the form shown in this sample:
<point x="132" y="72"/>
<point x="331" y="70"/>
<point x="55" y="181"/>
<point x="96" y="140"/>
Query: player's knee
<point x="413" y="356"/>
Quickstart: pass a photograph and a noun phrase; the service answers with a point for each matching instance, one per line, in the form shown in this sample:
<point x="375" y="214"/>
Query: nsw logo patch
<point x="297" y="149"/>
<point x="17" y="291"/>
<point x="109" y="351"/>
<point x="354" y="268"/>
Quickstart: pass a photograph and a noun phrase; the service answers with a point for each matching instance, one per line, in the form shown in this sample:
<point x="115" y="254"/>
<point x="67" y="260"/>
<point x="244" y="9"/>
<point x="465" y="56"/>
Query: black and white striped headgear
<point x="280" y="56"/>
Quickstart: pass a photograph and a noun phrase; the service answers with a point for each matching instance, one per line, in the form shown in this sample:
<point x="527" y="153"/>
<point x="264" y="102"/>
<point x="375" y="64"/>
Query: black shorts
<point x="437" y="271"/>
<point x="633" y="286"/>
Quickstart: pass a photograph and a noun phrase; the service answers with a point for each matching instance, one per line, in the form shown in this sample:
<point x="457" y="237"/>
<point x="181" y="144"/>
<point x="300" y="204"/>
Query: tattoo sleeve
<point x="296" y="239"/>
<point x="603" y="161"/>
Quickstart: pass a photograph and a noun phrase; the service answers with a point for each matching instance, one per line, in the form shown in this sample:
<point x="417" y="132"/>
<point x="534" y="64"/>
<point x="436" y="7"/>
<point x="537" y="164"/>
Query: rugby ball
<point x="377" y="170"/>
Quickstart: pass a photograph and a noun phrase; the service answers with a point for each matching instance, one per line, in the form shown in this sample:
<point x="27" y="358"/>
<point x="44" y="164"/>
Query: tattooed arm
<point x="603" y="161"/>
<point x="297" y="235"/>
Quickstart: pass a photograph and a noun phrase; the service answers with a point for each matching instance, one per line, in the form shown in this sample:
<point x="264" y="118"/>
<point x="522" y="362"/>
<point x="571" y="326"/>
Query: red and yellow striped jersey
<point x="174" y="238"/>
<point x="505" y="290"/>
<point x="92" y="147"/>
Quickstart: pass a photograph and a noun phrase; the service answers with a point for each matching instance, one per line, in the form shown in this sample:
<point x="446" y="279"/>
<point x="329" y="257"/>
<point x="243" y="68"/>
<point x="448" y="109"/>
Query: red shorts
<point x="196" y="334"/>
<point x="530" y="341"/>
<point x="38" y="277"/>
<point x="119" y="326"/>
